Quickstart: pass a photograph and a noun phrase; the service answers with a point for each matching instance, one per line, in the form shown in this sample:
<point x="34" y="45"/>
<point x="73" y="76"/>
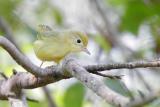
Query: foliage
<point x="132" y="15"/>
<point x="74" y="96"/>
<point x="7" y="8"/>
<point x="118" y="86"/>
<point x="102" y="42"/>
<point x="137" y="11"/>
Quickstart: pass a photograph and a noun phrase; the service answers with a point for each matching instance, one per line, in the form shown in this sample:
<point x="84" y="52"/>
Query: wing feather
<point x="44" y="32"/>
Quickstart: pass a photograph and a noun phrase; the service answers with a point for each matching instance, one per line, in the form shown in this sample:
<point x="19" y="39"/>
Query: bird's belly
<point x="50" y="51"/>
<point x="51" y="54"/>
<point x="50" y="58"/>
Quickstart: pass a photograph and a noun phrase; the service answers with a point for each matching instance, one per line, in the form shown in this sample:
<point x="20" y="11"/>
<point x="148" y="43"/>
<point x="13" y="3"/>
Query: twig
<point x="3" y="75"/>
<point x="32" y="100"/>
<point x="130" y="65"/>
<point x="48" y="95"/>
<point x="109" y="76"/>
<point x="111" y="33"/>
<point x="145" y="83"/>
<point x="20" y="58"/>
<point x="8" y="32"/>
<point x="139" y="102"/>
<point x="108" y="31"/>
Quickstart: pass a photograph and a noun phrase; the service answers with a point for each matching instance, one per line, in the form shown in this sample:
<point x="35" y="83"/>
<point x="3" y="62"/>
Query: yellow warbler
<point x="54" y="45"/>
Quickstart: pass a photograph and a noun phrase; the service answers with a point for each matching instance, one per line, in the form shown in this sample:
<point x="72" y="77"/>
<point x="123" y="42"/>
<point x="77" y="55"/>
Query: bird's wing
<point x="44" y="28"/>
<point x="44" y="31"/>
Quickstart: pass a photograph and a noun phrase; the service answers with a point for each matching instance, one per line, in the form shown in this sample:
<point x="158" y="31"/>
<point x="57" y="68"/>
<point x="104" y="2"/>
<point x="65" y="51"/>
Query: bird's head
<point x="79" y="42"/>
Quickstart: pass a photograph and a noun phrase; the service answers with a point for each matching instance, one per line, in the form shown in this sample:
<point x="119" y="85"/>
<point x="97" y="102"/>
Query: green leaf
<point x="57" y="16"/>
<point x="42" y="8"/>
<point x="154" y="103"/>
<point x="102" y="42"/>
<point x="74" y="96"/>
<point x="116" y="2"/>
<point x="7" y="8"/>
<point x="155" y="25"/>
<point x="4" y="103"/>
<point x="51" y="10"/>
<point x="135" y="14"/>
<point x="117" y="86"/>
<point x="43" y="103"/>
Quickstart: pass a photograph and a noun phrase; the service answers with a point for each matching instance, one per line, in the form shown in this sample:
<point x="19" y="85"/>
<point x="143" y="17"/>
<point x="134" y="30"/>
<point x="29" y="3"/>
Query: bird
<point x="54" y="45"/>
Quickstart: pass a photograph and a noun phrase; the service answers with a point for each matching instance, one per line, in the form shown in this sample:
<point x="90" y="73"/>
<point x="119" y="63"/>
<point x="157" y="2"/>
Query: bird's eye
<point x="78" y="41"/>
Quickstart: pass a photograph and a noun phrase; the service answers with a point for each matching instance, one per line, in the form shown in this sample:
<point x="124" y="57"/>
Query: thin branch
<point x="3" y="75"/>
<point x="49" y="97"/>
<point x="139" y="102"/>
<point x="22" y="80"/>
<point x="7" y="30"/>
<point x="20" y="58"/>
<point x="108" y="76"/>
<point x="142" y="79"/>
<point x="130" y="65"/>
<point x="107" y="31"/>
<point x="32" y="100"/>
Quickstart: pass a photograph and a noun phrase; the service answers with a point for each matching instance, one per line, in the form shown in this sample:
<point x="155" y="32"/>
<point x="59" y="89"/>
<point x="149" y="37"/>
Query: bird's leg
<point x="41" y="64"/>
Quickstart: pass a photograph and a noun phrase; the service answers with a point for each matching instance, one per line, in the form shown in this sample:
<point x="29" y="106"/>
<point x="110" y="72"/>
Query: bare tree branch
<point x="27" y="80"/>
<point x="108" y="30"/>
<point x="130" y="65"/>
<point x="139" y="102"/>
<point x="20" y="58"/>
<point x="7" y="30"/>
<point x="3" y="75"/>
<point x="94" y="84"/>
<point x="142" y="79"/>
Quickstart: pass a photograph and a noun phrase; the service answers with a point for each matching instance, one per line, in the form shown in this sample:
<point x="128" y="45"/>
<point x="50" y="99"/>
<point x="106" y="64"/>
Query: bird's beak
<point x="86" y="50"/>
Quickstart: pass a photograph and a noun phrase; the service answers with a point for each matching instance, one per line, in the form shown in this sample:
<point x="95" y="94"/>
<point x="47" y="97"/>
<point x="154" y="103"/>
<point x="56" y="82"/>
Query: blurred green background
<point x="119" y="31"/>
